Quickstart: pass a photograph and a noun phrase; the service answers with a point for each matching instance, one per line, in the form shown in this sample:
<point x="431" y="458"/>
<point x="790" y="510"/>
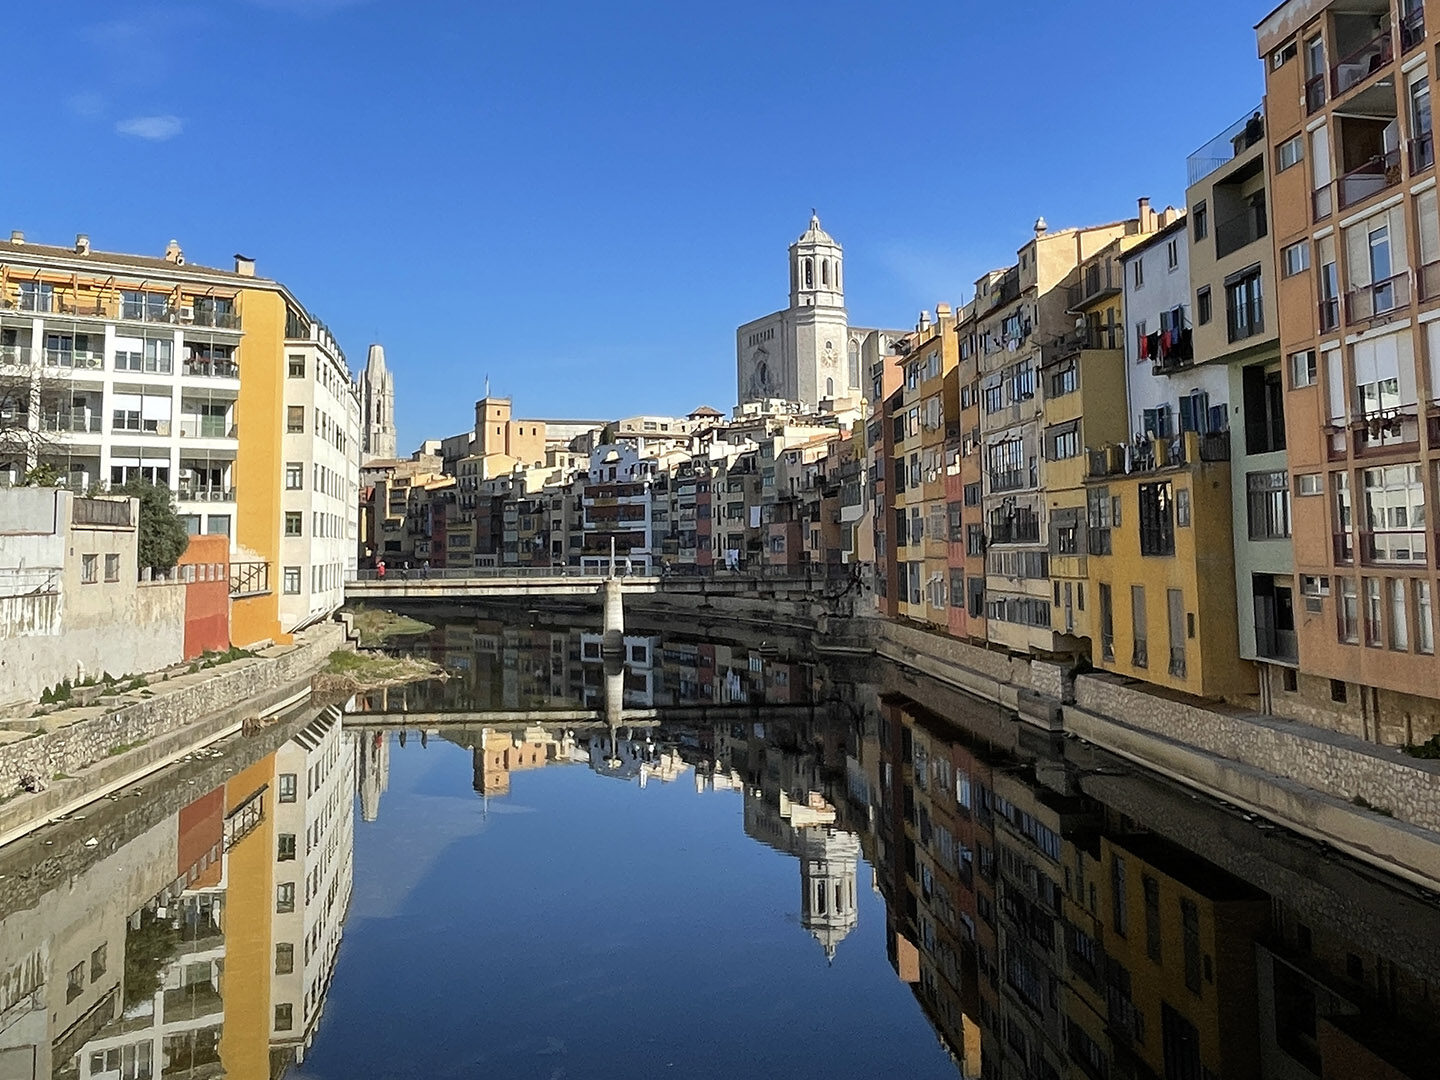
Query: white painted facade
<point x="321" y="482"/>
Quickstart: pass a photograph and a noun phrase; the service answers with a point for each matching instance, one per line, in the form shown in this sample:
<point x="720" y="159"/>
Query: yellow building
<point x="1082" y="379"/>
<point x="1161" y="565"/>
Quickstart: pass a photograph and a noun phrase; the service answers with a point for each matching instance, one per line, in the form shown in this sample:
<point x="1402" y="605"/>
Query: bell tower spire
<point x="816" y="269"/>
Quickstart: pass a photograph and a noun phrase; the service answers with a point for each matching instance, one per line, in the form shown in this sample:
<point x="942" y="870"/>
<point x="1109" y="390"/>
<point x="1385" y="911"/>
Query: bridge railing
<point x="815" y="573"/>
<point x="483" y="573"/>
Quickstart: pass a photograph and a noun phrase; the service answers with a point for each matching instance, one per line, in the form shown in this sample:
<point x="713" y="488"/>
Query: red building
<point x="206" y="573"/>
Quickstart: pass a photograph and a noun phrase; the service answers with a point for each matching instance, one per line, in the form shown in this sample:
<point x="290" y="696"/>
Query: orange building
<point x="205" y="569"/>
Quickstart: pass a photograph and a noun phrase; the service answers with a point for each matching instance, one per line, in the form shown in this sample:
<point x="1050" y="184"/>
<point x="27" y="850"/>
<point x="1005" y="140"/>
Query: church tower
<point x="815" y="270"/>
<point x="377" y="401"/>
<point x="829" y="860"/>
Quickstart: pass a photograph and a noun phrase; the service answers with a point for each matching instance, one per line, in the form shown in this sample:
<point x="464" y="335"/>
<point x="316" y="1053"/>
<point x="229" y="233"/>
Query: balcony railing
<point x="1007" y="479"/>
<point x="1378" y="299"/>
<point x="1015" y="532"/>
<point x="208" y="428"/>
<point x="1314" y="94"/>
<point x="1159" y="452"/>
<point x="1244" y="320"/>
<point x="211" y="369"/>
<point x="76" y="421"/>
<point x="1342" y="547"/>
<point x="1422" y="152"/>
<point x="1329" y="315"/>
<point x="1275" y="644"/>
<point x="1236" y="232"/>
<point x="1362" y="63"/>
<point x="220" y="320"/>
<point x="1097" y="281"/>
<point x="249" y="578"/>
<point x="1412" y="28"/>
<point x="1227" y="146"/>
<point x="1380" y="172"/>
<point x="69" y="358"/>
<point x="16" y="355"/>
<point x="205" y="493"/>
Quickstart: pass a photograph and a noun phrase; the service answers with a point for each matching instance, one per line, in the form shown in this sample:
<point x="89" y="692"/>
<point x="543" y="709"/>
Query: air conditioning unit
<point x="185" y="313"/>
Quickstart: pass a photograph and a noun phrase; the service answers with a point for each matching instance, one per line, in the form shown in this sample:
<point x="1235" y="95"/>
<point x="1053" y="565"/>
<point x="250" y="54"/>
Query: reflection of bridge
<point x="695" y="713"/>
<point x="525" y="581"/>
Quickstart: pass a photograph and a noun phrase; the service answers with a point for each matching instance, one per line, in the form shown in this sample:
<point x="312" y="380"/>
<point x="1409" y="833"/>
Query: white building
<point x="808" y="352"/>
<point x="320" y="496"/>
<point x="377" y="399"/>
<point x="315" y="836"/>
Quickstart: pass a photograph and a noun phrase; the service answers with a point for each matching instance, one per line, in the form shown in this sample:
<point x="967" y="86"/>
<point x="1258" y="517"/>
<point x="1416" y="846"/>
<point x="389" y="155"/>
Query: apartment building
<point x="1018" y="312"/>
<point x="320" y="501"/>
<point x="967" y="473"/>
<point x="1354" y="211"/>
<point x="149" y="368"/>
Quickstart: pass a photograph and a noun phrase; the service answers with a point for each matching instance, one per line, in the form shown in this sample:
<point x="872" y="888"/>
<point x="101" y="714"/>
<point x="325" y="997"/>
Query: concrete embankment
<point x="1373" y="802"/>
<point x="82" y="754"/>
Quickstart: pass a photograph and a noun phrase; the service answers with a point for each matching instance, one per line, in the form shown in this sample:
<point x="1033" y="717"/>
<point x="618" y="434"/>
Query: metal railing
<point x="249" y="578"/>
<point x="809" y="573"/>
<point x="1412" y="27"/>
<point x="1236" y="232"/>
<point x="1380" y="172"/>
<point x="204" y="494"/>
<point x="76" y="421"/>
<point x="1329" y="314"/>
<point x="1422" y="152"/>
<point x="1095" y="282"/>
<point x="30" y="580"/>
<point x="1379" y="298"/>
<point x="211" y="369"/>
<point x="1314" y="94"/>
<point x="1007" y="479"/>
<point x="89" y="361"/>
<point x="112" y="512"/>
<point x="1349" y="71"/>
<point x="1244" y="320"/>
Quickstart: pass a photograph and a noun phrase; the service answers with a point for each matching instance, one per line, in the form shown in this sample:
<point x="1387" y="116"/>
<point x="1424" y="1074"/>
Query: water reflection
<point x="199" y="945"/>
<point x="1051" y="910"/>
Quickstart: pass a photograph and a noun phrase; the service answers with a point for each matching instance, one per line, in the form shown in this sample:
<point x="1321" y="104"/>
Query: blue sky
<point x="582" y="199"/>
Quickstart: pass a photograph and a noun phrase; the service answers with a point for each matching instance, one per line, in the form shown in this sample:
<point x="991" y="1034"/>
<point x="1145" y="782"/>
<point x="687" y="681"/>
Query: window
<point x="1424" y="619"/>
<point x="1395" y="515"/>
<point x="294" y="476"/>
<point x="284" y="897"/>
<point x="112" y="567"/>
<point x="1172" y="254"/>
<point x="296" y="367"/>
<point x="1302" y="369"/>
<point x="1295" y="259"/>
<point x="284" y="958"/>
<point x="295" y="418"/>
<point x="1201" y="219"/>
<point x="1098" y="521"/>
<point x="1157" y="519"/>
<point x="1373" y="612"/>
<point x="284" y="1016"/>
<point x="1244" y="305"/>
<point x="292" y="581"/>
<point x="1202" y="305"/>
<point x="97" y="963"/>
<point x="285" y="847"/>
<point x="1140" y="653"/>
<point x="1268" y="496"/>
<point x="1190" y="936"/>
<point x="1399" y="617"/>
<point x="294" y="523"/>
<point x="1182" y="508"/>
<point x="1290" y="152"/>
<point x="89" y="569"/>
<point x="1347" y="613"/>
<point x="1283" y="55"/>
<point x="1139" y="273"/>
<point x="1065" y="444"/>
<point x="1152" y="916"/>
<point x="75" y="982"/>
<point x="1065" y="381"/>
<point x="1309" y="484"/>
<point x="1119" y="902"/>
<point x="1264" y="403"/>
<point x="286" y="783"/>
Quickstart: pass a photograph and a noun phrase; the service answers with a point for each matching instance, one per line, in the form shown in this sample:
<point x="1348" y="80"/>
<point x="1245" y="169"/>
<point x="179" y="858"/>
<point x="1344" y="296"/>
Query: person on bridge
<point x="380" y="569"/>
<point x="425" y="570"/>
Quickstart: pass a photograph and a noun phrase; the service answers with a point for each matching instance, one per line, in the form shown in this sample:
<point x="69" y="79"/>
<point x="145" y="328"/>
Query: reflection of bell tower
<point x="374" y="772"/>
<point x="829" y="859"/>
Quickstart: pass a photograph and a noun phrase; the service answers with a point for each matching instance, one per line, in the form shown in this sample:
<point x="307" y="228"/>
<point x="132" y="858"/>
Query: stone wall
<point x="145" y="635"/>
<point x="989" y="673"/>
<point x="1325" y="761"/>
<point x="257" y="681"/>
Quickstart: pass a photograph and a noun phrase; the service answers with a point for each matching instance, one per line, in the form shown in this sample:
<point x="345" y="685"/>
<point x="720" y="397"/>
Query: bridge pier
<point x="612" y="642"/>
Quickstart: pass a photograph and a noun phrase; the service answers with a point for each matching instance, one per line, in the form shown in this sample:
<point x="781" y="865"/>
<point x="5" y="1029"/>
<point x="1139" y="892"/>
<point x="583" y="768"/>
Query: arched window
<point x="830" y="388"/>
<point x="809" y="273"/>
<point x="825" y="271"/>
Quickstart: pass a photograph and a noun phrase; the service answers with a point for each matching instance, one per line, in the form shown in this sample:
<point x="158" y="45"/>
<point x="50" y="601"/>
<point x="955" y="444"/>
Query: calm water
<point x="727" y="857"/>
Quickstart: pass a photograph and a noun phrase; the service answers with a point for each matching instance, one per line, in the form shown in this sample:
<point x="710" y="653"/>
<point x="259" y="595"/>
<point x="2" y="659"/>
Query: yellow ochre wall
<point x="249" y="913"/>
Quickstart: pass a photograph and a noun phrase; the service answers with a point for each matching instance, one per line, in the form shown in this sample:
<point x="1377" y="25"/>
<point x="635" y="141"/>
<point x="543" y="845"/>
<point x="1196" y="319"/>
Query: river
<point x="729" y="856"/>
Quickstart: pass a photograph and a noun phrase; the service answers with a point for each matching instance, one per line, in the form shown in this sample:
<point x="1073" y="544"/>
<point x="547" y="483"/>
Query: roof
<point x="705" y="410"/>
<point x="815" y="234"/>
<point x="1154" y="238"/>
<point x="69" y="257"/>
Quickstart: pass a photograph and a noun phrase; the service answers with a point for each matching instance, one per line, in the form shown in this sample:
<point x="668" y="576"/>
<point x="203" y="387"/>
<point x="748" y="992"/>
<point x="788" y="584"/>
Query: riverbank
<point x="67" y="758"/>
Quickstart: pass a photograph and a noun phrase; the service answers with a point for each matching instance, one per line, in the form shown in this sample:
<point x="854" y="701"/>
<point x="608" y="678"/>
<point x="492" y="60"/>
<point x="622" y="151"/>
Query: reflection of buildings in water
<point x="712" y="776"/>
<point x="633" y="754"/>
<point x="373" y="771"/>
<point x="829" y="858"/>
<point x="314" y="849"/>
<point x="496" y="754"/>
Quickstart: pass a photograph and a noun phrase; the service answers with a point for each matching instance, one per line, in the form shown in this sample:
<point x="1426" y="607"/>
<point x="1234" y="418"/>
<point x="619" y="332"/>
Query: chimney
<point x="244" y="265"/>
<point x="942" y="311"/>
<point x="173" y="254"/>
<point x="82" y="244"/>
<point x="17" y="237"/>
<point x="1146" y="216"/>
<point x="924" y="324"/>
<point x="1040" y="227"/>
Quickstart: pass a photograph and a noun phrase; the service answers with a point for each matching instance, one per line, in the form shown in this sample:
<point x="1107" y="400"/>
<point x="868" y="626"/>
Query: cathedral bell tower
<point x="815" y="269"/>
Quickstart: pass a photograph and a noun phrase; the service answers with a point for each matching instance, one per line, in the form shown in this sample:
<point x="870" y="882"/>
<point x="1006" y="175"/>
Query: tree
<point x="163" y="537"/>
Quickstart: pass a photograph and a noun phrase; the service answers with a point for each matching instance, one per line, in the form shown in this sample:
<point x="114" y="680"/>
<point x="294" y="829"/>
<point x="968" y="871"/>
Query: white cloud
<point x="154" y="128"/>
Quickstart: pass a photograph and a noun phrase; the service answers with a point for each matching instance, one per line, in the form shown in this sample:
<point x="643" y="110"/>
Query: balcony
<point x="1008" y="479"/>
<point x="1394" y="547"/>
<point x="217" y="320"/>
<point x="1015" y="530"/>
<point x="1360" y="64"/>
<point x="204" y="493"/>
<point x="1159" y="452"/>
<point x="74" y="421"/>
<point x="69" y="358"/>
<point x="208" y="427"/>
<point x="1227" y="146"/>
<point x="1386" y="430"/>
<point x="1273" y="643"/>
<point x="1236" y="232"/>
<point x="211" y="369"/>
<point x="249" y="579"/>
<point x="1096" y="283"/>
<point x="1007" y="290"/>
<point x="1380" y="172"/>
<point x="1244" y="320"/>
<point x="16" y="355"/>
<point x="1377" y="300"/>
